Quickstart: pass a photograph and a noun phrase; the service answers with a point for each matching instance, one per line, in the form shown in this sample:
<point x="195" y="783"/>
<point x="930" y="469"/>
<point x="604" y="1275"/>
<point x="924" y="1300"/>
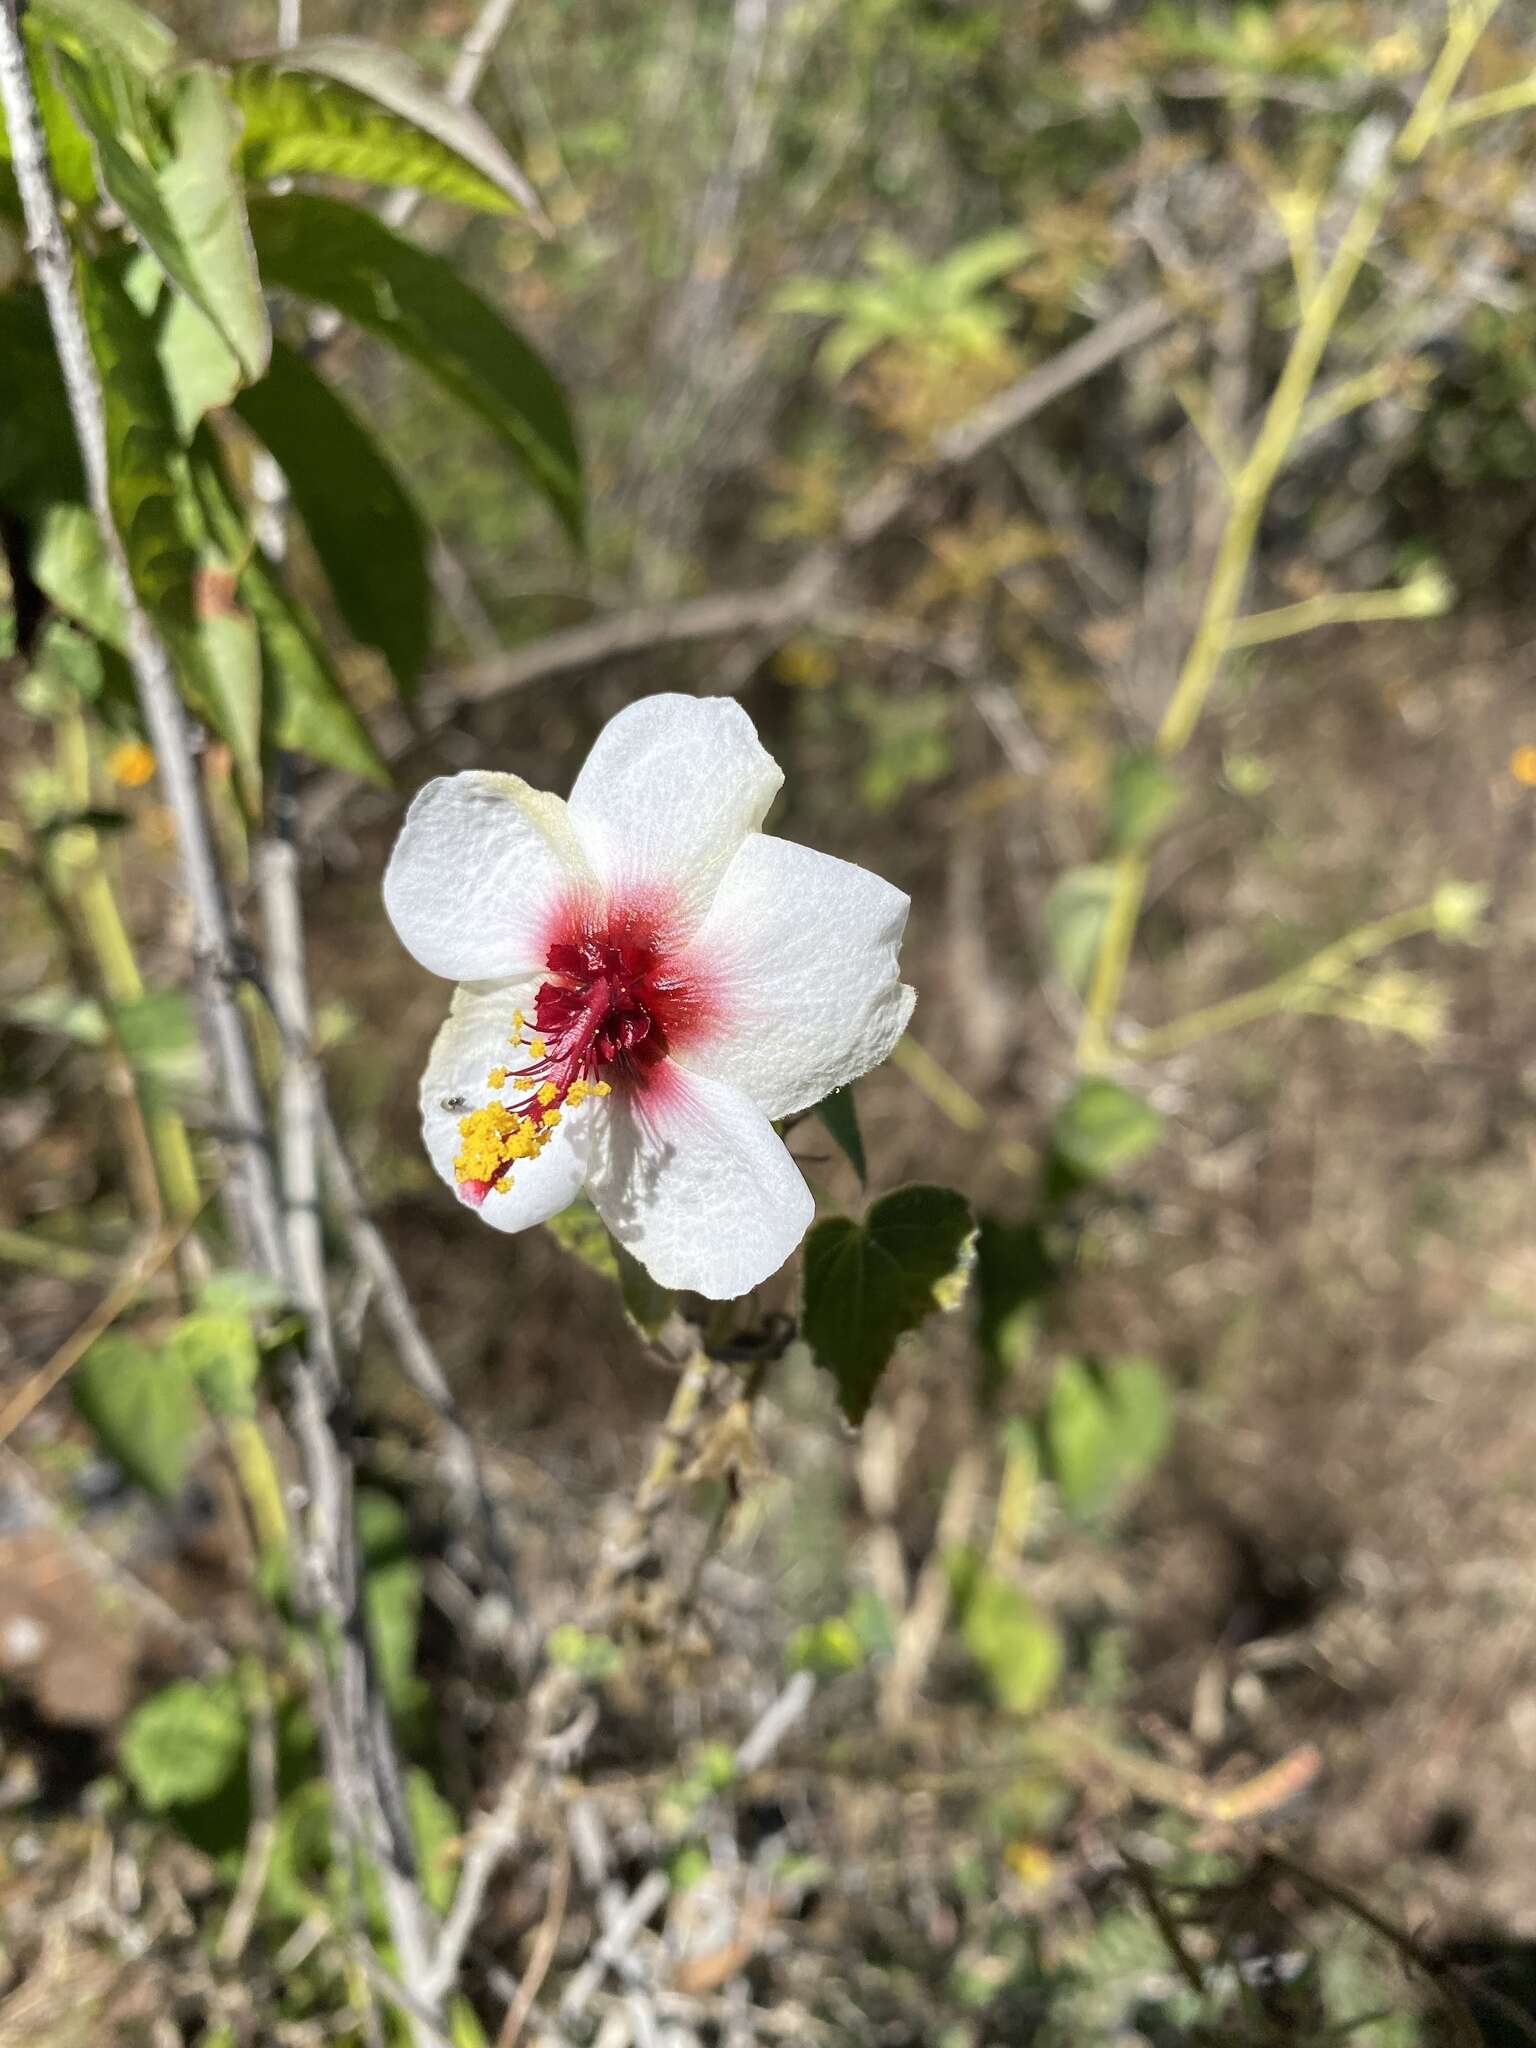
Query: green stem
<point x="1337" y="608"/>
<point x="117" y="966"/>
<point x="1324" y="967"/>
<point x="1250" y="494"/>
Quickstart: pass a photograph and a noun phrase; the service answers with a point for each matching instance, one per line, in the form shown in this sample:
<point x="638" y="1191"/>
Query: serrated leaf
<point x="349" y="109"/>
<point x="841" y="1118"/>
<point x="1014" y="1640"/>
<point x="1075" y="912"/>
<point x="418" y="305"/>
<point x="1102" y="1127"/>
<point x="113" y="25"/>
<point x="867" y="1284"/>
<point x="369" y="538"/>
<point x="1105" y="1429"/>
<point x="143" y="1408"/>
<point x="1144" y="794"/>
<point x="184" y="1744"/>
<point x="303" y="705"/>
<point x="180" y="196"/>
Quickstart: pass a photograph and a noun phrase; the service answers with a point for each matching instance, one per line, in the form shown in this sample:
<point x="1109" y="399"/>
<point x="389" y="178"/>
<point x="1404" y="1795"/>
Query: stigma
<point x="607" y="1015"/>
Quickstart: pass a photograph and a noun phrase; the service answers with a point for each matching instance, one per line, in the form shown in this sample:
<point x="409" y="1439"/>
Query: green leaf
<point x="438" y="1836"/>
<point x="142" y="450"/>
<point x="349" y="109"/>
<point x="867" y="1284"/>
<point x="230" y="648"/>
<point x="115" y="26"/>
<point x="417" y="304"/>
<point x="206" y="208"/>
<point x="69" y="149"/>
<point x="1014" y="1640"/>
<point x="184" y="1744"/>
<point x="181" y="197"/>
<point x="1102" y="1127"/>
<point x="70" y="566"/>
<point x="1075" y="912"/>
<point x="838" y="1113"/>
<point x="303" y="705"/>
<point x="368" y="535"/>
<point x="159" y="1034"/>
<point x="1105" y="1429"/>
<point x="217" y="1351"/>
<point x="143" y="1408"/>
<point x="1144" y="795"/>
<point x="39" y="457"/>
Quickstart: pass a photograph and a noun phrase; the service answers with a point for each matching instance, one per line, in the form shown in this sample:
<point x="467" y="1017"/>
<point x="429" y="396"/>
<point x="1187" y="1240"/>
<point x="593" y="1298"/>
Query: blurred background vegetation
<point x="1171" y="1615"/>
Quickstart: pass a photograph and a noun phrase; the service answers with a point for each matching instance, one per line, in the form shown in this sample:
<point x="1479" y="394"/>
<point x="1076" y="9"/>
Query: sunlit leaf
<point x="366" y="531"/>
<point x="1105" y="1428"/>
<point x="184" y="1744"/>
<point x="143" y="1408"/>
<point x="116" y="26"/>
<point x="356" y="110"/>
<point x="181" y="196"/>
<point x="217" y="1350"/>
<point x="867" y="1284"/>
<point x="1075" y="912"/>
<point x="1014" y="1640"/>
<point x="1102" y="1127"/>
<point x="1144" y="796"/>
<point x="419" y="305"/>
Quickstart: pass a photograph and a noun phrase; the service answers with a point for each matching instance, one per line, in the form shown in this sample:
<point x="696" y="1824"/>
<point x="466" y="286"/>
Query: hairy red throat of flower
<point x="613" y="1008"/>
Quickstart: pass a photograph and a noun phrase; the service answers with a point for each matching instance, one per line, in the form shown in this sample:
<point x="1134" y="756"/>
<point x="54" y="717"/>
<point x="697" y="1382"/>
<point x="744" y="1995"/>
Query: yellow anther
<point x="495" y="1138"/>
<point x="547" y="1094"/>
<point x="602" y="1088"/>
<point x="549" y="1119"/>
<point x="536" y="1047"/>
<point x="522" y="1081"/>
<point x="496" y="1078"/>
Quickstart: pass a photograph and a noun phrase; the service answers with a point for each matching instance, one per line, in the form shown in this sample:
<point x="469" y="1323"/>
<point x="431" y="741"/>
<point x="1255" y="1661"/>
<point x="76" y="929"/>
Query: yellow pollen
<point x="521" y="1081"/>
<point x="493" y="1139"/>
<point x="496" y="1078"/>
<point x="547" y="1094"/>
<point x="537" y="1047"/>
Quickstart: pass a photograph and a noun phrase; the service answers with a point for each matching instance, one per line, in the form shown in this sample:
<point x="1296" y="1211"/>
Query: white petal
<point x="799" y="955"/>
<point x="480" y="872"/>
<point x="471" y="1042"/>
<point x="693" y="1179"/>
<point x="670" y="789"/>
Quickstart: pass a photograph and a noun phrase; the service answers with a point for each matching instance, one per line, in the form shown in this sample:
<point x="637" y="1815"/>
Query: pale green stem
<point x="1276" y="436"/>
<point x="1333" y="608"/>
<point x="121" y="982"/>
<point x="955" y="1102"/>
<point x="1322" y="970"/>
<point x="1485" y="106"/>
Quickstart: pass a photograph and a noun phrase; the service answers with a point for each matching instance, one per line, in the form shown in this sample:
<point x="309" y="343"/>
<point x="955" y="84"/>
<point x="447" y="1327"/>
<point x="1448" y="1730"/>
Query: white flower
<point x="646" y="979"/>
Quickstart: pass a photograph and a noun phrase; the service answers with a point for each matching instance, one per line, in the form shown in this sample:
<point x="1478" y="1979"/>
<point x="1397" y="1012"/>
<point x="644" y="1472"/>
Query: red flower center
<point x="610" y="1012"/>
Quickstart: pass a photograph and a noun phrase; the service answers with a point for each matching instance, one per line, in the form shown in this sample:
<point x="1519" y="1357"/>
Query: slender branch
<point x="798" y="596"/>
<point x="252" y="1181"/>
<point x="559" y="1687"/>
<point x="1251" y="488"/>
<point x="1340" y="608"/>
<point x="1287" y="991"/>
